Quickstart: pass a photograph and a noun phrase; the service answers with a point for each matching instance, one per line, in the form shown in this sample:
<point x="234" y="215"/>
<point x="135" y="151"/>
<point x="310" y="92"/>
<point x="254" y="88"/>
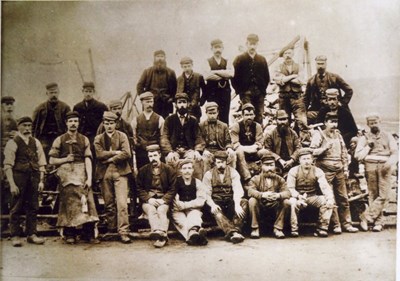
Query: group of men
<point x="179" y="166"/>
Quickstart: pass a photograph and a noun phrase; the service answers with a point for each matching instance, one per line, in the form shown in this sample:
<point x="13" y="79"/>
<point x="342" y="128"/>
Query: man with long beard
<point x="161" y="81"/>
<point x="283" y="142"/>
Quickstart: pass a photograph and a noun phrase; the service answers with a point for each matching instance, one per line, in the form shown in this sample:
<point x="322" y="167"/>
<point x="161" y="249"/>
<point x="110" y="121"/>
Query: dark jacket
<point x="256" y="187"/>
<point x="167" y="178"/>
<point x="241" y="82"/>
<point x="289" y="87"/>
<point x="195" y="83"/>
<point x="222" y="134"/>
<point x="121" y="126"/>
<point x="273" y="143"/>
<point x="313" y="95"/>
<point x="90" y="117"/>
<point x="40" y="115"/>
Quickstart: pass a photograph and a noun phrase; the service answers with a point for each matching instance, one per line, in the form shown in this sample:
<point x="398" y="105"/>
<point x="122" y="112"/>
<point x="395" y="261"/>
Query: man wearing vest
<point x="112" y="170"/>
<point x="193" y="85"/>
<point x="288" y="78"/>
<point x="71" y="154"/>
<point x="24" y="163"/>
<point x="268" y="191"/>
<point x="331" y="156"/>
<point x="147" y="129"/>
<point x="156" y="190"/>
<point x="251" y="77"/>
<point x="314" y="96"/>
<point x="218" y="85"/>
<point x="247" y="139"/>
<point x="161" y="81"/>
<point x="189" y="199"/>
<point x="378" y="150"/>
<point x="225" y="198"/>
<point x="181" y="137"/>
<point x="305" y="183"/>
<point x="216" y="136"/>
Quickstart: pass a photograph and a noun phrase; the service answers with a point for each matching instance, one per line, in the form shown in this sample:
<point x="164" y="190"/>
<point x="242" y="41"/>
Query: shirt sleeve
<point x="259" y="136"/>
<point x="362" y="149"/>
<point x="9" y="154"/>
<point x="88" y="152"/>
<point x="323" y="184"/>
<point x="55" y="148"/>
<point x="208" y="188"/>
<point x="237" y="187"/>
<point x="41" y="156"/>
<point x="235" y="135"/>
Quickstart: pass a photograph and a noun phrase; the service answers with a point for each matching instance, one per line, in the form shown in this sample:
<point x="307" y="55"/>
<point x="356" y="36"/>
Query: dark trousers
<point x="257" y="98"/>
<point x="223" y="98"/>
<point x="258" y="206"/>
<point x="227" y="219"/>
<point x="26" y="200"/>
<point x="86" y="232"/>
<point x="293" y="103"/>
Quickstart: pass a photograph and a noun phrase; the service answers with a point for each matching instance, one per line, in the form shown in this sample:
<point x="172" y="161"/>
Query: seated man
<point x="225" y="198"/>
<point x="189" y="200"/>
<point x="216" y="136"/>
<point x="156" y="190"/>
<point x="268" y="191"/>
<point x="247" y="139"/>
<point x="303" y="181"/>
<point x="181" y="136"/>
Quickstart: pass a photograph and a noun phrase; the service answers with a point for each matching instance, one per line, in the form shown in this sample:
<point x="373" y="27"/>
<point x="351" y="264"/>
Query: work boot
<point x="70" y="240"/>
<point x="363" y="222"/>
<point x="236" y="238"/>
<point x="337" y="230"/>
<point x="278" y="234"/>
<point x="194" y="238"/>
<point x="16" y="241"/>
<point x="321" y="233"/>
<point x="294" y="234"/>
<point x="33" y="239"/>
<point x="156" y="235"/>
<point x="255" y="233"/>
<point x="203" y="237"/>
<point x="161" y="242"/>
<point x="125" y="239"/>
<point x="351" y="229"/>
<point x="377" y="228"/>
<point x="110" y="235"/>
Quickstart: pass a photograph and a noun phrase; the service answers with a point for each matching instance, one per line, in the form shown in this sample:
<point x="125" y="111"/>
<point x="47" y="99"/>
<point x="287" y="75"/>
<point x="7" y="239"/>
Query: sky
<point x="42" y="41"/>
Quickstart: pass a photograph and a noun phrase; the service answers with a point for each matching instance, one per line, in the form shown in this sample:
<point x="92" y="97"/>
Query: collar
<point x="251" y="55"/>
<point x="182" y="116"/>
<point x="147" y="115"/>
<point x="25" y="139"/>
<point x="188" y="76"/>
<point x="218" y="60"/>
<point x="110" y="135"/>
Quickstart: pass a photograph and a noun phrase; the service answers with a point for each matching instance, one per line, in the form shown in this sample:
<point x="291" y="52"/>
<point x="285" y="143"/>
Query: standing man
<point x="216" y="136"/>
<point x="72" y="156"/>
<point x="113" y="154"/>
<point x="189" y="199"/>
<point x="225" y="198"/>
<point x="315" y="94"/>
<point x="147" y="129"/>
<point x="283" y="142"/>
<point x="247" y="140"/>
<point x="49" y="118"/>
<point x="193" y="85"/>
<point x="156" y="190"/>
<point x="218" y="87"/>
<point x="24" y="163"/>
<point x="268" y="191"/>
<point x="161" y="81"/>
<point x="181" y="136"/>
<point x="378" y="150"/>
<point x="288" y="78"/>
<point x="251" y="77"/>
<point x="331" y="156"/>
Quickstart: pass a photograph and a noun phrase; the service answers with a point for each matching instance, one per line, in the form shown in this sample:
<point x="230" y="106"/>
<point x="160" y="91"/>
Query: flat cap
<point x="152" y="147"/>
<point x="7" y="99"/>
<point x="372" y="117"/>
<point x="320" y="58"/>
<point x="25" y="119"/>
<point x="332" y="93"/>
<point x="186" y="60"/>
<point x="146" y="96"/>
<point x="221" y="154"/>
<point x="51" y="86"/>
<point x="115" y="103"/>
<point x="216" y="42"/>
<point x="247" y="106"/>
<point x="331" y="116"/>
<point x="88" y="85"/>
<point x="184" y="162"/>
<point x="267" y="157"/>
<point x="211" y="105"/>
<point x="181" y="96"/>
<point x="252" y="38"/>
<point x="280" y="113"/>
<point x="159" y="52"/>
<point x="71" y="114"/>
<point x="108" y="115"/>
<point x="305" y="151"/>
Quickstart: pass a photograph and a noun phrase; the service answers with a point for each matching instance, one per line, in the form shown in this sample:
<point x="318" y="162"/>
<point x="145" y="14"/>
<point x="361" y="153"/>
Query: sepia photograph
<point x="199" y="140"/>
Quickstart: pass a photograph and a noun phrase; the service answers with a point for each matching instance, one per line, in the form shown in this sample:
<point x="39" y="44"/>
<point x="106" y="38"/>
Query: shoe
<point x="351" y="229"/>
<point x="337" y="230"/>
<point x="16" y="241"/>
<point x="194" y="238"/>
<point x="278" y="234"/>
<point x="160" y="243"/>
<point x="203" y="237"/>
<point x="155" y="235"/>
<point x="363" y="223"/>
<point x="236" y="238"/>
<point x="255" y="233"/>
<point x="109" y="236"/>
<point x="321" y="233"/>
<point x="70" y="240"/>
<point x="377" y="228"/>
<point x="125" y="239"/>
<point x="90" y="240"/>
<point x="294" y="234"/>
<point x="33" y="239"/>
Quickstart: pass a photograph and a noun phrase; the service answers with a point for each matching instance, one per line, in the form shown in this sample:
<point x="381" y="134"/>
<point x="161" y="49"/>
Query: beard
<point x="160" y="65"/>
<point x="268" y="174"/>
<point x="182" y="110"/>
<point x="374" y="130"/>
<point x="283" y="129"/>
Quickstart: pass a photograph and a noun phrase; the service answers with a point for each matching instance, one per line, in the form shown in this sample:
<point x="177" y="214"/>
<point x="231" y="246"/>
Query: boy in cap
<point x="71" y="154"/>
<point x="268" y="191"/>
<point x="156" y="189"/>
<point x="378" y="150"/>
<point x="192" y="84"/>
<point x="189" y="199"/>
<point x="305" y="183"/>
<point x="225" y="198"/>
<point x="112" y="169"/>
<point x="24" y="166"/>
<point x="251" y="77"/>
<point x="161" y="81"/>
